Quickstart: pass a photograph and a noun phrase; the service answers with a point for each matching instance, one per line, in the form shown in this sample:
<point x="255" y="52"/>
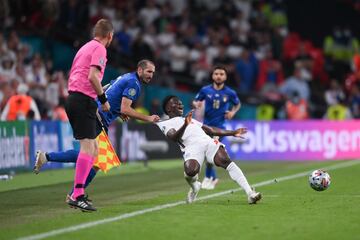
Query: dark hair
<point x="219" y="67"/>
<point x="165" y="101"/>
<point x="144" y="63"/>
<point x="102" y="28"/>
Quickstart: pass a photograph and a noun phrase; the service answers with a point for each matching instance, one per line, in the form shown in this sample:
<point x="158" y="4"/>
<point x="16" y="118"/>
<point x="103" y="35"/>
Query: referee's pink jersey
<point x="92" y="53"/>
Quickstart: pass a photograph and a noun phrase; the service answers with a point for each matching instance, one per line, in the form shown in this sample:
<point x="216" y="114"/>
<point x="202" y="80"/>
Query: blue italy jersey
<point x="127" y="85"/>
<point x="217" y="103"/>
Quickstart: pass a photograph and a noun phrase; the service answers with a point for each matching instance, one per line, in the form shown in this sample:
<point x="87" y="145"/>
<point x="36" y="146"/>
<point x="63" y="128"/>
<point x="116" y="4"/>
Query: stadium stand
<point x="185" y="39"/>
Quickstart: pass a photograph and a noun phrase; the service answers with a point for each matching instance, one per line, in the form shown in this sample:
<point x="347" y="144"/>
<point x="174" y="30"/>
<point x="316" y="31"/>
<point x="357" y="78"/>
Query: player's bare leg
<point x="191" y="170"/>
<point x="222" y="159"/>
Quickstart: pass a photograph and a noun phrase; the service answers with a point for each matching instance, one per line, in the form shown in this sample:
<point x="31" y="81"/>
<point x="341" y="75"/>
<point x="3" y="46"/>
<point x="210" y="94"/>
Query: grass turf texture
<point x="32" y="204"/>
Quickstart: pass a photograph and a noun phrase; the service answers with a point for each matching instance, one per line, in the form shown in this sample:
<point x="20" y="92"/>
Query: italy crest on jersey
<point x="225" y="98"/>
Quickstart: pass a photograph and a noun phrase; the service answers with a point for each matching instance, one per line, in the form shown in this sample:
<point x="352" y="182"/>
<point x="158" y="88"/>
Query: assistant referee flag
<point x="107" y="157"/>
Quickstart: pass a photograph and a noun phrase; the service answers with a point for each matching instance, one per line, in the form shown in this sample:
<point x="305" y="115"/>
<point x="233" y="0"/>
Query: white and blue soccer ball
<point x="319" y="180"/>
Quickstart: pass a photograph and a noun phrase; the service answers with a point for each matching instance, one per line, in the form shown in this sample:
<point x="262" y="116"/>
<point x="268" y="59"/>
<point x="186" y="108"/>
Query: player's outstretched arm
<point x="214" y="131"/>
<point x="176" y="135"/>
<point x="127" y="110"/>
<point x="230" y="114"/>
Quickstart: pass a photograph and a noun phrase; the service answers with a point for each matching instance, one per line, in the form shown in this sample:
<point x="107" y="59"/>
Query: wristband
<point x="102" y="98"/>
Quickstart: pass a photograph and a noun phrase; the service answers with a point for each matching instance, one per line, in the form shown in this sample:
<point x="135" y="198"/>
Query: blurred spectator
<point x="73" y="20"/>
<point x="296" y="108"/>
<point x="270" y="72"/>
<point x="37" y="77"/>
<point x="4" y="15"/>
<point x="338" y="111"/>
<point x="304" y="60"/>
<point x="354" y="100"/>
<point x="164" y="18"/>
<point x="149" y="13"/>
<point x="166" y="37"/>
<point x="265" y="112"/>
<point x="20" y="106"/>
<point x="296" y="83"/>
<point x="3" y="47"/>
<point x="241" y="26"/>
<point x="7" y="68"/>
<point x="155" y="108"/>
<point x="341" y="44"/>
<point x="6" y="91"/>
<point x="334" y="93"/>
<point x="164" y="78"/>
<point x="141" y="50"/>
<point x="247" y="70"/>
<point x="179" y="54"/>
<point x="200" y="68"/>
<point x="59" y="112"/>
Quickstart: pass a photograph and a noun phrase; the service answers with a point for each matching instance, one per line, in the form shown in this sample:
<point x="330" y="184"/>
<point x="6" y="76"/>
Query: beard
<point x="219" y="83"/>
<point x="143" y="80"/>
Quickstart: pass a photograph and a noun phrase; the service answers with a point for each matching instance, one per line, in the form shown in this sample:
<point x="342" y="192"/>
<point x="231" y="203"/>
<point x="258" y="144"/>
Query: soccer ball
<point x="319" y="180"/>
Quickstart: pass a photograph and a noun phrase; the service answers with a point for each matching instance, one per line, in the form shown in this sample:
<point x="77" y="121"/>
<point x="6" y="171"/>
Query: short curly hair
<point x="165" y="101"/>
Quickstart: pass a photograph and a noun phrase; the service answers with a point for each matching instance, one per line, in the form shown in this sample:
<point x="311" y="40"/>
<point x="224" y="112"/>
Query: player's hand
<point x="105" y="107"/>
<point x="229" y="115"/>
<point x="239" y="132"/>
<point x="188" y="118"/>
<point x="124" y="117"/>
<point x="153" y="118"/>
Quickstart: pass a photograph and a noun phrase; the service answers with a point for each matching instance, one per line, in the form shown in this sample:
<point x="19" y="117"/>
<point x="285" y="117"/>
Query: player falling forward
<point x="218" y="98"/>
<point x="196" y="145"/>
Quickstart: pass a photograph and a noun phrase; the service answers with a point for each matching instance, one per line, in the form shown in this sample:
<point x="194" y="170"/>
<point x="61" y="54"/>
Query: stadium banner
<point x="14" y="144"/>
<point x="140" y="142"/>
<point x="67" y="140"/>
<point x="46" y="136"/>
<point x="298" y="140"/>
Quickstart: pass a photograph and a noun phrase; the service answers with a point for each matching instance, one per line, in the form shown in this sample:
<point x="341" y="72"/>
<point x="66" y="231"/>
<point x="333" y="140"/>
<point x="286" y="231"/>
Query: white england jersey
<point x="194" y="135"/>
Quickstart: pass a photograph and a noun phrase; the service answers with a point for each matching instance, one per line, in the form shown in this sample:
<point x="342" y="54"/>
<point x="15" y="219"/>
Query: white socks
<point x="191" y="180"/>
<point x="237" y="175"/>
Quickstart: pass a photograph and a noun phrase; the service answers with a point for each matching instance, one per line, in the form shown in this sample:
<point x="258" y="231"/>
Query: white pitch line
<point x="170" y="205"/>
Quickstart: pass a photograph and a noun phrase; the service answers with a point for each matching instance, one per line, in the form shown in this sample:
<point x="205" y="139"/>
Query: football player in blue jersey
<point x="120" y="93"/>
<point x="221" y="102"/>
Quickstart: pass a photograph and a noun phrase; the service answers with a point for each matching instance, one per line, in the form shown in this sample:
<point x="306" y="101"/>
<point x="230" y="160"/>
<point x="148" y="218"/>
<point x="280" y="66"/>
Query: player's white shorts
<point x="200" y="152"/>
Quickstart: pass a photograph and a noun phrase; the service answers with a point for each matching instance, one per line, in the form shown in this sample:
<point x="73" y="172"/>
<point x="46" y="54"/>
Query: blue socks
<point x="210" y="171"/>
<point x="69" y="156"/>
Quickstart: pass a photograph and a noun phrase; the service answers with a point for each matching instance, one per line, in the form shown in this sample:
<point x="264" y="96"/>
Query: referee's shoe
<point x="82" y="203"/>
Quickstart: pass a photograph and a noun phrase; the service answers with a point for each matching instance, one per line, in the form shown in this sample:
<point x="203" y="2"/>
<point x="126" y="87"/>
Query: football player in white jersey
<point x="196" y="145"/>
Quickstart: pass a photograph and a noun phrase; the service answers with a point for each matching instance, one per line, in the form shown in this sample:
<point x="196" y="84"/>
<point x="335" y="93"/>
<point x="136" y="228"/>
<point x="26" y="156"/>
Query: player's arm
<point x="234" y="110"/>
<point x="176" y="135"/>
<point x="214" y="131"/>
<point x="94" y="78"/>
<point x="130" y="112"/>
<point x="106" y="87"/>
<point x="196" y="104"/>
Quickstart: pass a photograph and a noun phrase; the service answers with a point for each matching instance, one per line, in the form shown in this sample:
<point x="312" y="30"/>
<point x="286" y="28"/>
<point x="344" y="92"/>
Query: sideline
<point x="170" y="205"/>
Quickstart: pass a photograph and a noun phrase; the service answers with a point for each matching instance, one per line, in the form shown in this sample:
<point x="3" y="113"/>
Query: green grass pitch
<point x="34" y="204"/>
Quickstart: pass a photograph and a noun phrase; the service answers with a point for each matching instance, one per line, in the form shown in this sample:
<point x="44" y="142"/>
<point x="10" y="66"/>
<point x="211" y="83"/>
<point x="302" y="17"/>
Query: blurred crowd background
<point x="286" y="59"/>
